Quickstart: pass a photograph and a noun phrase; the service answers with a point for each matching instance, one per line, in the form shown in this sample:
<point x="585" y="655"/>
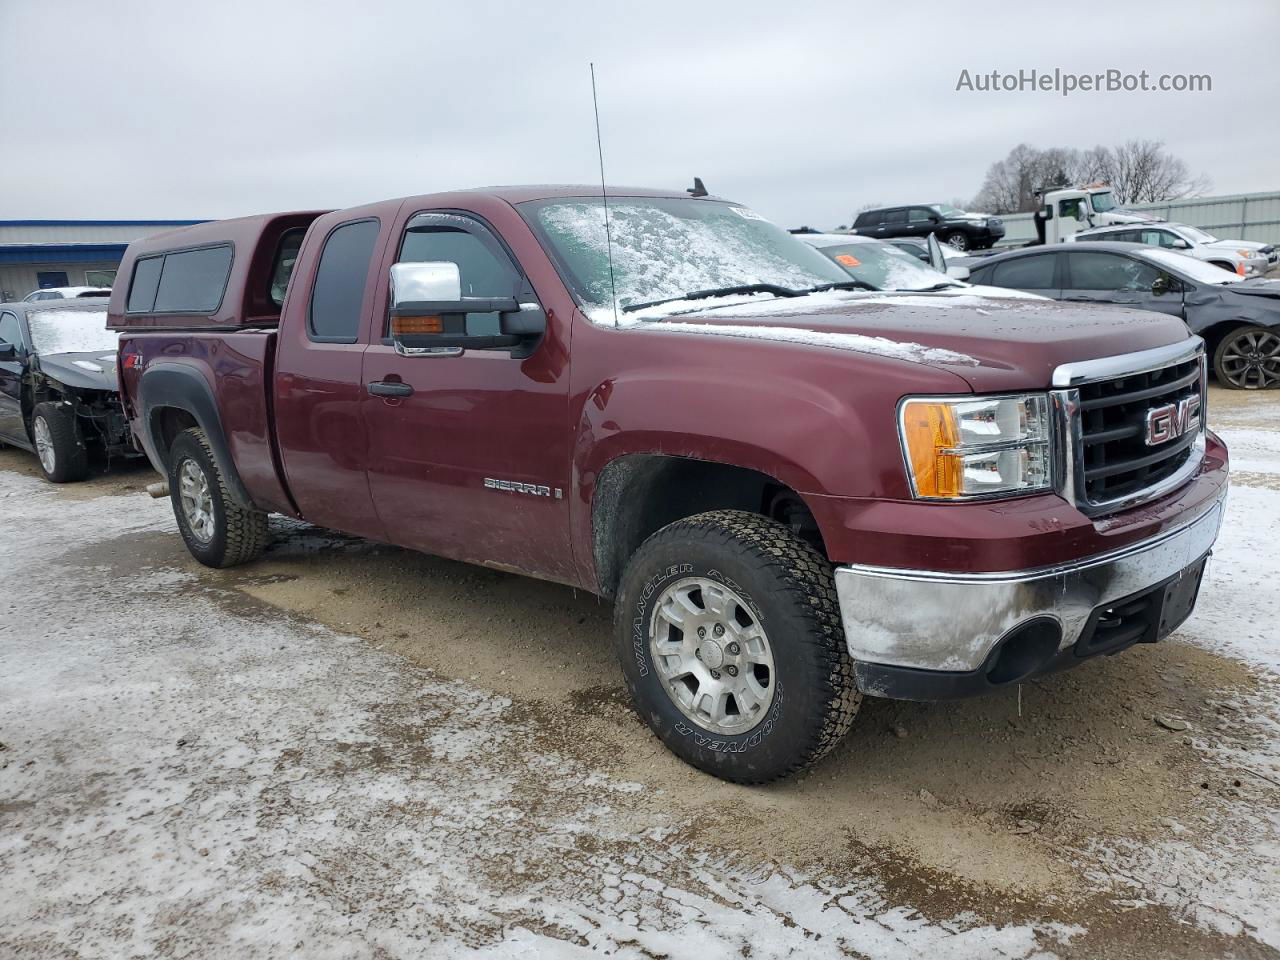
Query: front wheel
<point x="217" y="530"/>
<point x="1248" y="359"/>
<point x="958" y="240"/>
<point x="59" y="446"/>
<point x="730" y="638"/>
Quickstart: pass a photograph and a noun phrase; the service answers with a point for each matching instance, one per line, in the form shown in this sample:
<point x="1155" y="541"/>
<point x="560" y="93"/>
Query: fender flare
<point x="182" y="387"/>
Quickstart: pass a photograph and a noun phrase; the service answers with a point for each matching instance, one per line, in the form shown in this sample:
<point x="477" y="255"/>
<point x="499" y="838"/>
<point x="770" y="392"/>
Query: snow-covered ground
<point x="188" y="772"/>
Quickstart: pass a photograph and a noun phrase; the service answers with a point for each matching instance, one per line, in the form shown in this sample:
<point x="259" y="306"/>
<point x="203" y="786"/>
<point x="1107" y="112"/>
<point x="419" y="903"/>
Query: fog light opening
<point x="1024" y="650"/>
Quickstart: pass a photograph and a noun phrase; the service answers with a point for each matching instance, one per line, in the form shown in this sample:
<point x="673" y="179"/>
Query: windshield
<point x="1102" y="201"/>
<point x="71" y="331"/>
<point x="1196" y="234"/>
<point x="947" y="210"/>
<point x="1189" y="267"/>
<point x="664" y="248"/>
<point x="885" y="267"/>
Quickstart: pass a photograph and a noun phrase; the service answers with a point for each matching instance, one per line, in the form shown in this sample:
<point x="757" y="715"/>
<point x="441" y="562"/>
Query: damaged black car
<point x="58" y="395"/>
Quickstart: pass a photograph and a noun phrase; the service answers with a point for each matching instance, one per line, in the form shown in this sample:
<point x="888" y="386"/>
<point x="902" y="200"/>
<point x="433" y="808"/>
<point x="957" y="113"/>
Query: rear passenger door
<point x="1034" y="273"/>
<point x="318" y="382"/>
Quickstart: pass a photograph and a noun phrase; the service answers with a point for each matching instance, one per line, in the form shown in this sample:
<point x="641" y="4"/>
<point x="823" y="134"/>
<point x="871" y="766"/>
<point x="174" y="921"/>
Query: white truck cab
<point x="1065" y="211"/>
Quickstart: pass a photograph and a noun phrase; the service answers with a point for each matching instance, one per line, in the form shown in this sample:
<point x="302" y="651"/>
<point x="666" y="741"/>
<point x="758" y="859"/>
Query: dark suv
<point x="962" y="230"/>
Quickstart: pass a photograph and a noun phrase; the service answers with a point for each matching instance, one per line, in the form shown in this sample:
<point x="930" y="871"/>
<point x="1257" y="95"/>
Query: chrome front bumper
<point x="934" y="621"/>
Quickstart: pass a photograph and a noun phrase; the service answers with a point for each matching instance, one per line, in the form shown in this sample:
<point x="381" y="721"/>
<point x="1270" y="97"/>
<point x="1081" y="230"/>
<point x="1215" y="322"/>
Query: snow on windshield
<point x="665" y="248"/>
<point x="71" y="331"/>
<point x="1197" y="270"/>
<point x="885" y="267"/>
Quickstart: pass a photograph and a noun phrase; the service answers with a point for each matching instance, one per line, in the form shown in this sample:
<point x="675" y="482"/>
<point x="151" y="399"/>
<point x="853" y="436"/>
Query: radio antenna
<point x="604" y="194"/>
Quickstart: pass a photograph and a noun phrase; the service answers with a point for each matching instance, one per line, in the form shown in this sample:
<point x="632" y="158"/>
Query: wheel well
<point x="1217" y="333"/>
<point x="166" y="424"/>
<point x="1224" y="265"/>
<point x="638" y="495"/>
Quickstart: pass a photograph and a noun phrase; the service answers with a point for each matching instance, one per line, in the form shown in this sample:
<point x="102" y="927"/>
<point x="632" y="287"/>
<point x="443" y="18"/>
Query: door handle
<point x="388" y="388"/>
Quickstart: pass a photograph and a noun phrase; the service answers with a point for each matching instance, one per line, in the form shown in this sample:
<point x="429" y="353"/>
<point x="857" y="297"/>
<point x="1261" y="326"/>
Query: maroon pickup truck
<point x="797" y="490"/>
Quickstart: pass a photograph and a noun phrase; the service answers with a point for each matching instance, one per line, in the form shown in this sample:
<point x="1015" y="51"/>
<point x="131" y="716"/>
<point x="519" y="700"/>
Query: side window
<point x="142" y="291"/>
<point x="893" y="218"/>
<point x="193" y="281"/>
<point x="10" y="330"/>
<point x="1107" y="271"/>
<point x="919" y="215"/>
<point x="282" y="267"/>
<point x="1025" y="273"/>
<point x="338" y="293"/>
<point x="484" y="267"/>
<point x="1072" y="209"/>
<point x="1162" y="238"/>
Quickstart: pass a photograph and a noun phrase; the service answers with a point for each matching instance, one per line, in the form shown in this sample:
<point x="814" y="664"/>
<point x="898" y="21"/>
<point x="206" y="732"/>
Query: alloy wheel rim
<point x="1252" y="360"/>
<point x="712" y="656"/>
<point x="196" y="500"/>
<point x="44" y="445"/>
<point x="958" y="242"/>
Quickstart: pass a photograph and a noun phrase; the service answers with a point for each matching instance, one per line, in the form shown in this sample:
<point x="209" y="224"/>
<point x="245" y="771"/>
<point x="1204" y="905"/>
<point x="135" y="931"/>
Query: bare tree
<point x="1138" y="171"/>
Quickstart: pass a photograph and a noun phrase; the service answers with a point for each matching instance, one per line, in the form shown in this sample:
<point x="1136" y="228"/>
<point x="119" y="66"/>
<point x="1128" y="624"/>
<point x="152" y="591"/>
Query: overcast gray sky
<point x="805" y="111"/>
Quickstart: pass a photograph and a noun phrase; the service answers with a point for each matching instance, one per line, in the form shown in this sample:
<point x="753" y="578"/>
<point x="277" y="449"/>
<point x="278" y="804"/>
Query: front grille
<point x="1114" y="458"/>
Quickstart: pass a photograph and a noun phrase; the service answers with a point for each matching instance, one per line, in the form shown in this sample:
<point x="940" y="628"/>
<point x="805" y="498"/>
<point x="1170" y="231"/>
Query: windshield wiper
<point x="840" y="285"/>
<point x="773" y="288"/>
<point x="937" y="286"/>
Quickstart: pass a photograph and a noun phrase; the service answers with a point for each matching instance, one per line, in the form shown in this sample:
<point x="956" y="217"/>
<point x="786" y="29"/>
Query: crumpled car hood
<point x="88" y="371"/>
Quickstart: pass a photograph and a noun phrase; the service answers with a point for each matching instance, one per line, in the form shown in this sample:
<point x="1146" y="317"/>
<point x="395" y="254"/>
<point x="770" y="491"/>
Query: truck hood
<point x="992" y="344"/>
<point x="95" y="370"/>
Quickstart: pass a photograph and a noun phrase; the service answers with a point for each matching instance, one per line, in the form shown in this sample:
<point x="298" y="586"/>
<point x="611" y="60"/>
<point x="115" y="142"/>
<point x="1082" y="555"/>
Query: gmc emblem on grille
<point x="1172" y="420"/>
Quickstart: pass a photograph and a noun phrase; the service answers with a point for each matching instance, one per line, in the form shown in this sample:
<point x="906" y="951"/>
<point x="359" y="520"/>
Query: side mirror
<point x="1164" y="284"/>
<point x="8" y="351"/>
<point x="429" y="313"/>
<point x="1180" y="244"/>
<point x="958" y="273"/>
<point x="934" y="218"/>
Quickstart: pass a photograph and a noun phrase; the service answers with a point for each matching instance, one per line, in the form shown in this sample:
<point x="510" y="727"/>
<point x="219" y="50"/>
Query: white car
<point x="1247" y="258"/>
<point x="66" y="293"/>
<point x="884" y="266"/>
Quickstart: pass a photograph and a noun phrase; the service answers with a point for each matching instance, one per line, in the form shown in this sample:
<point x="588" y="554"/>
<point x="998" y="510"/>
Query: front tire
<point x="59" y="446"/>
<point x="217" y="530"/>
<point x="731" y="644"/>
<point x="958" y="240"/>
<point x="1248" y="358"/>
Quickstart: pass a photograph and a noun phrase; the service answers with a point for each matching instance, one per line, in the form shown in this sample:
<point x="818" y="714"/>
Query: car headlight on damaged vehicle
<point x="959" y="448"/>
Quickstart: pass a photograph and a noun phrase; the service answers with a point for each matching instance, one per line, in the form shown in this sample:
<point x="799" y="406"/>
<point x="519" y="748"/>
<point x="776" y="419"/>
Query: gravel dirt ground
<point x="351" y="750"/>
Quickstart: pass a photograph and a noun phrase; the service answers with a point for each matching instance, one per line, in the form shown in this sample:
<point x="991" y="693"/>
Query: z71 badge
<point x="515" y="486"/>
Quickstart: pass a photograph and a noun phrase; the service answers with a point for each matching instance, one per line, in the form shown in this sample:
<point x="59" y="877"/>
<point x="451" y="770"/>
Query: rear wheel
<point x="217" y="530"/>
<point x="59" y="446"/>
<point x="1248" y="359"/>
<point x="730" y="638"/>
<point x="958" y="240"/>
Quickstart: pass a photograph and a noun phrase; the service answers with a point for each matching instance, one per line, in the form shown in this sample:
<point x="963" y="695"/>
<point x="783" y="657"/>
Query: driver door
<point x="12" y="427"/>
<point x="1100" y="277"/>
<point x="469" y="450"/>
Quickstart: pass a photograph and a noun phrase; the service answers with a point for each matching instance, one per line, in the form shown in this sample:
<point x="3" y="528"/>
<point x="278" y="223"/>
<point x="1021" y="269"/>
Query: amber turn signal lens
<point x="408" y="326"/>
<point x="928" y="430"/>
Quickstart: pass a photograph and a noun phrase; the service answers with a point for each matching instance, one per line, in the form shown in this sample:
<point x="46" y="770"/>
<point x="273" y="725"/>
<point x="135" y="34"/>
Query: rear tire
<point x="217" y="530"/>
<point x="59" y="446"/>
<point x="766" y="689"/>
<point x="1248" y="358"/>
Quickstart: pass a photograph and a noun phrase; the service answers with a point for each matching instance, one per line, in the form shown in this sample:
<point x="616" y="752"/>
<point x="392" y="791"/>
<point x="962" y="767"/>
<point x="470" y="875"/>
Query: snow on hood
<point x="881" y="346"/>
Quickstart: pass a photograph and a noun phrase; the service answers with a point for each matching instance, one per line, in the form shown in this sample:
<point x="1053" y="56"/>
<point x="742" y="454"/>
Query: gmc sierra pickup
<point x="796" y="489"/>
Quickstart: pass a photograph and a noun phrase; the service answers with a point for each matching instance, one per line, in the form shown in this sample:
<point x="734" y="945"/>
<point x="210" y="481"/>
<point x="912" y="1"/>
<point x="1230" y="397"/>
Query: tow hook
<point x="158" y="490"/>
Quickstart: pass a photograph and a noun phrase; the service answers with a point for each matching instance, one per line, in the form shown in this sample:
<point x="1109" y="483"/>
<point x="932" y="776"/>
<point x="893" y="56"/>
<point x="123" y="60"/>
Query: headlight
<point x="980" y="447"/>
<point x="1247" y="254"/>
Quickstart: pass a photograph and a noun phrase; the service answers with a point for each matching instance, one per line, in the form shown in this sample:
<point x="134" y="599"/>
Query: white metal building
<point x="67" y="253"/>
